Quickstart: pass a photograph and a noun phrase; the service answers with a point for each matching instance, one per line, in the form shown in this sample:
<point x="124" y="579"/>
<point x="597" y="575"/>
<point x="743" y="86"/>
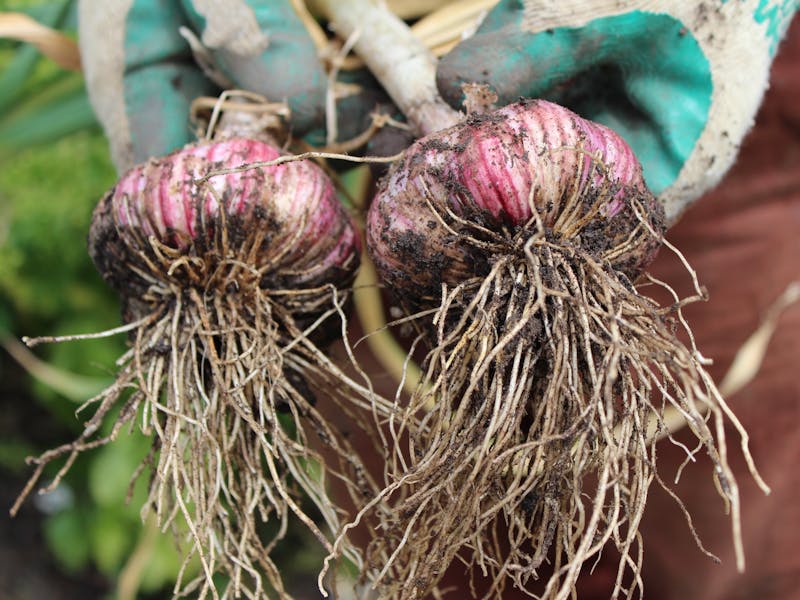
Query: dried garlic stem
<point x="403" y="65"/>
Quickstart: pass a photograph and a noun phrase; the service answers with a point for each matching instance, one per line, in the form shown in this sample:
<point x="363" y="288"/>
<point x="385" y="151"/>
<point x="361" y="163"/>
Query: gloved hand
<point x="680" y="80"/>
<point x="142" y="78"/>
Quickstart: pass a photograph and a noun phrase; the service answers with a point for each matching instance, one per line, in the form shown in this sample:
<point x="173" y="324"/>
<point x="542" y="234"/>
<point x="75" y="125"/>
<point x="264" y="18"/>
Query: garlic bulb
<point x="498" y="177"/>
<point x="284" y="222"/>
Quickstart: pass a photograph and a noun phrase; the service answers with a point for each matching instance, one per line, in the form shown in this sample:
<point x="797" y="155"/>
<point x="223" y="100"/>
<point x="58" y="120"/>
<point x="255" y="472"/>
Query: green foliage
<point x="12" y="454"/>
<point x="39" y="102"/>
<point x="48" y="284"/>
<point x="65" y="533"/>
<point x="102" y="528"/>
<point x="46" y="198"/>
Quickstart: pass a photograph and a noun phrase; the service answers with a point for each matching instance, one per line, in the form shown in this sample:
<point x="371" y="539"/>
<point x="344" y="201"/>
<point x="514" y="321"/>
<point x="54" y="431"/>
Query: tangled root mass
<point x="530" y="444"/>
<point x="222" y="374"/>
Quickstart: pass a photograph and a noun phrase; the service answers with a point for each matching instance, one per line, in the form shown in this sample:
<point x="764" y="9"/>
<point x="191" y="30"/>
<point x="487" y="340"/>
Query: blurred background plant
<point x="83" y="540"/>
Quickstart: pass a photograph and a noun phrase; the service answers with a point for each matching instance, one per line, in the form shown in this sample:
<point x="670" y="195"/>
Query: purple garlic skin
<point x="484" y="177"/>
<point x="282" y="222"/>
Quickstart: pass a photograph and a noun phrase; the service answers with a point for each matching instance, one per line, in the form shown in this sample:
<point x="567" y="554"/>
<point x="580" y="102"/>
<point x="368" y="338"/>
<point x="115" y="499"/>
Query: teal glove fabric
<point x="142" y="77"/>
<point x="664" y="74"/>
<point x="287" y="68"/>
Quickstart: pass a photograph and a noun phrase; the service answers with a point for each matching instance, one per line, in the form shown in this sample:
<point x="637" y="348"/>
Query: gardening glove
<point x="679" y="80"/>
<point x="142" y="78"/>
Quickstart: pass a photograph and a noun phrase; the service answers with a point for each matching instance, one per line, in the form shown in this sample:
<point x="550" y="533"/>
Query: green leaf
<point x="55" y="114"/>
<point x="13" y="453"/>
<point x="65" y="533"/>
<point x="53" y="13"/>
<point x="111" y="470"/>
<point x="6" y="320"/>
<point x="16" y="74"/>
<point x="111" y="538"/>
<point x="19" y="72"/>
<point x="46" y="200"/>
<point x="71" y="385"/>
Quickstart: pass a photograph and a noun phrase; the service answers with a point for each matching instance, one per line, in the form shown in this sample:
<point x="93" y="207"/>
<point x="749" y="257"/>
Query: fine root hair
<point x="228" y="382"/>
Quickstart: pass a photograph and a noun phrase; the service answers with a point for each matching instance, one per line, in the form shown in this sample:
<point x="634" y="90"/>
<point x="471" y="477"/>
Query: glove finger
<point x="495" y="54"/>
<point x="158" y="99"/>
<point x="161" y="79"/>
<point x="264" y="47"/>
<point x="139" y="75"/>
<point x="673" y="115"/>
<point x="488" y="58"/>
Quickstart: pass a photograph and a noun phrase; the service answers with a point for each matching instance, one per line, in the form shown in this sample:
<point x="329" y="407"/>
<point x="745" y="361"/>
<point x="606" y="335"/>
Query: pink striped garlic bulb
<point x="284" y="222"/>
<point x="232" y="274"/>
<point x="513" y="241"/>
<point x="490" y="176"/>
